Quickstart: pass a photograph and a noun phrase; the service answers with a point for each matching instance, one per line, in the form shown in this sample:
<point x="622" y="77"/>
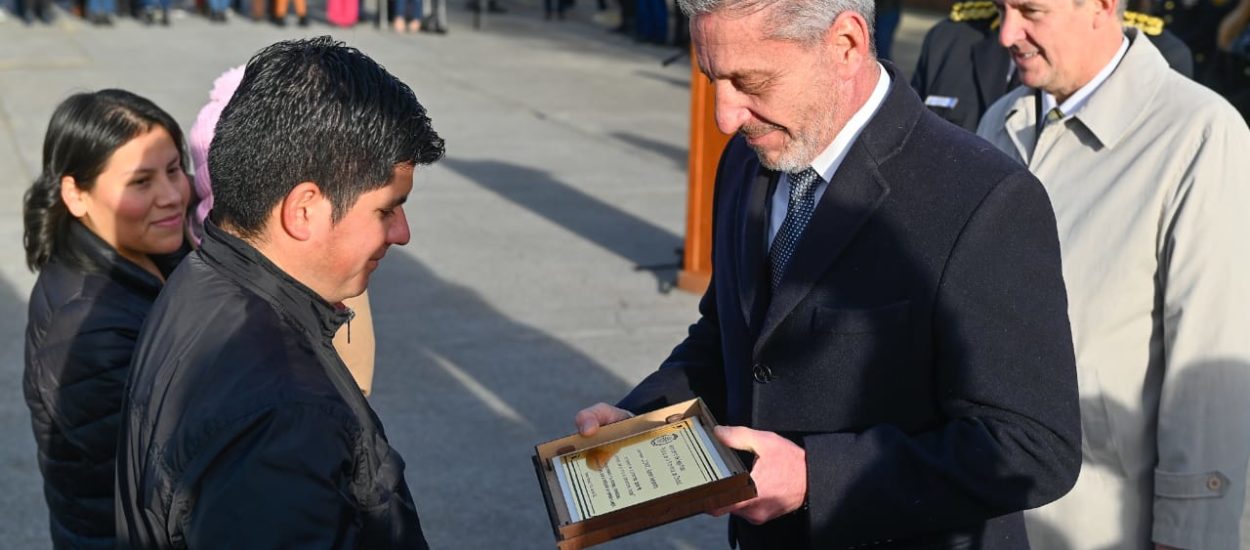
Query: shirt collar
<point x="827" y="162"/>
<point x="1078" y="99"/>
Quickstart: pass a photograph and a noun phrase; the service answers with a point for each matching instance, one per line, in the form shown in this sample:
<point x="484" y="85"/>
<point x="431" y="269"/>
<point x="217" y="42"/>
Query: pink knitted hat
<point x="201" y="136"/>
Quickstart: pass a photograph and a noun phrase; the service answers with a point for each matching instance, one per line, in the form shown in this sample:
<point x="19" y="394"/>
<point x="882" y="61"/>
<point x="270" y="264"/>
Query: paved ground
<point x="543" y="245"/>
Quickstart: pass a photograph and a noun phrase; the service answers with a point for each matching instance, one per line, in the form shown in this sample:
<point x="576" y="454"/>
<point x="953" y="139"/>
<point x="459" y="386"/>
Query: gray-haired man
<point x="886" y="328"/>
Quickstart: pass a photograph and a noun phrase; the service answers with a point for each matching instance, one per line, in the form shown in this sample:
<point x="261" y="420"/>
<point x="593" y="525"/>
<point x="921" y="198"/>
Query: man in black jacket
<point x="242" y="428"/>
<point x="886" y="327"/>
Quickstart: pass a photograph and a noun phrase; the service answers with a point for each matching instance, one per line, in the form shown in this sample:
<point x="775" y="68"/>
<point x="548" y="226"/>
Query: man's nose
<point x="731" y="110"/>
<point x="398" y="232"/>
<point x="1009" y="32"/>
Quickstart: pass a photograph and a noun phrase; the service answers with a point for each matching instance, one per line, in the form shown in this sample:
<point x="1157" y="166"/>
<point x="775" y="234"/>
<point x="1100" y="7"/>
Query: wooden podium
<point x="706" y="144"/>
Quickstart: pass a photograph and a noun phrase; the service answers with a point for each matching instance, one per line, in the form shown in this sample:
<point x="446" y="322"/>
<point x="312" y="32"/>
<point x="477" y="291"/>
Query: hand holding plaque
<point x="779" y="473"/>
<point x="637" y="473"/>
<point x="589" y="420"/>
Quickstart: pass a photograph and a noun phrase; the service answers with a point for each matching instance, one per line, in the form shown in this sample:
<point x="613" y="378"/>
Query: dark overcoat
<point x="917" y="347"/>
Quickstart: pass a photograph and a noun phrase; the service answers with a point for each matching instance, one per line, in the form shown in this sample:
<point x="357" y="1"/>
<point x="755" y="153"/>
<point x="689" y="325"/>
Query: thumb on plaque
<point x="737" y="437"/>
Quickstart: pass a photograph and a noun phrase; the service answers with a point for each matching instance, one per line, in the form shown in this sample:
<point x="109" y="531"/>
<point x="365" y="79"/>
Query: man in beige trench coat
<point x="1149" y="175"/>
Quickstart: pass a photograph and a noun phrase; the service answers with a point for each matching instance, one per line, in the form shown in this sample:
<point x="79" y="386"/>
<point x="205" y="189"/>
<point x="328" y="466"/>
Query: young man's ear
<point x="75" y="199"/>
<point x="304" y="211"/>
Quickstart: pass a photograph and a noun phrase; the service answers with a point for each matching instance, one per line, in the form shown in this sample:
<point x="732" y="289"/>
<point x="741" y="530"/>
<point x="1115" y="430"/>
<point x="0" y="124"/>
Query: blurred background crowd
<point x="1216" y="33"/>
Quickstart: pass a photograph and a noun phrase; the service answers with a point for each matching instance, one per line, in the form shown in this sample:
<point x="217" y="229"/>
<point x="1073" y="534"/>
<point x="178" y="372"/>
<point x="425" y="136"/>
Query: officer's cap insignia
<point x="976" y="10"/>
<point x="1148" y="24"/>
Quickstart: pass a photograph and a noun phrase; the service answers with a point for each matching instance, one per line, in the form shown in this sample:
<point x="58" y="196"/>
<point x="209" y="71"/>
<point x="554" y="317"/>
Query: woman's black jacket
<point x="85" y="312"/>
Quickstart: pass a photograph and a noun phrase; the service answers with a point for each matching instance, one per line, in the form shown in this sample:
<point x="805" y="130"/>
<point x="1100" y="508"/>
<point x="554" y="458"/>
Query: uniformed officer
<point x="1195" y="22"/>
<point x="1231" y="71"/>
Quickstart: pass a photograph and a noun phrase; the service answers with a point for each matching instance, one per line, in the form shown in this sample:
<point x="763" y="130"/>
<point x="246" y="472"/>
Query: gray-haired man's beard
<point x="794" y="156"/>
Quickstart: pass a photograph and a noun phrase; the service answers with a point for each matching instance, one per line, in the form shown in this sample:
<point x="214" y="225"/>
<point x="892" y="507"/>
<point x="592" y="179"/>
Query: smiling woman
<point x="104" y="226"/>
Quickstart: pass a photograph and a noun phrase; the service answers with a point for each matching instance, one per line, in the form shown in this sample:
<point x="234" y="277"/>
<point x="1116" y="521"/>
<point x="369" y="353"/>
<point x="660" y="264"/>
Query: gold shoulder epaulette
<point x="1148" y="24"/>
<point x="975" y="10"/>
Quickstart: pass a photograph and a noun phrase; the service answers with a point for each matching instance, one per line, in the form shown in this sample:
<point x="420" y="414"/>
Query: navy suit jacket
<point x="917" y="347"/>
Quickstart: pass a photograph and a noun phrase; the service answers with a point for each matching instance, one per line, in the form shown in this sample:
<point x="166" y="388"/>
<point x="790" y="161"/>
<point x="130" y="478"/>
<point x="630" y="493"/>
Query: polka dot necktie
<point x="798" y="213"/>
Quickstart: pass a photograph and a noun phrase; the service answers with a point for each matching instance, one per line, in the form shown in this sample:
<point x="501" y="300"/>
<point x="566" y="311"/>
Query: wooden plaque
<point x="637" y="474"/>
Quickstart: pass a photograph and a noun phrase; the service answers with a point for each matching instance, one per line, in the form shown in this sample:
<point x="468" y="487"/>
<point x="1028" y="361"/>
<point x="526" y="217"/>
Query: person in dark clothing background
<point x="1231" y="77"/>
<point x="103" y="227"/>
<point x="32" y="10"/>
<point x="889" y="13"/>
<point x="1196" y="23"/>
<point x="241" y="427"/>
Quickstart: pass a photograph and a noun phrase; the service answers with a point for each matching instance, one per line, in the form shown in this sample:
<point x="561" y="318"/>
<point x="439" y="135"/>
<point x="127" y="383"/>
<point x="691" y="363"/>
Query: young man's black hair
<point x="313" y="110"/>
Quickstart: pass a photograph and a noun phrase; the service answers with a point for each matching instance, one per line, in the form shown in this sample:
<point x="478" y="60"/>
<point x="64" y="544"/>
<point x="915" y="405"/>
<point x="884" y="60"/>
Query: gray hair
<point x="1120" y="7"/>
<point x="803" y="21"/>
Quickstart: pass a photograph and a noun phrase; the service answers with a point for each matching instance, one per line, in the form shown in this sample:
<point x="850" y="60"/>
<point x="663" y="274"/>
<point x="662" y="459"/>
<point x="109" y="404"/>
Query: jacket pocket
<point x="860" y="320"/>
<point x="1196" y="485"/>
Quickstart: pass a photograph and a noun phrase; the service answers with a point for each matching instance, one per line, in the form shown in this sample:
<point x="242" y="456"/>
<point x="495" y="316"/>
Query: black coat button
<point x="762" y="373"/>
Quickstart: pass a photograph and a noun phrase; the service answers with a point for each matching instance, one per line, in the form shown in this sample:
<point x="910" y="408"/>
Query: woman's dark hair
<point x="84" y="132"/>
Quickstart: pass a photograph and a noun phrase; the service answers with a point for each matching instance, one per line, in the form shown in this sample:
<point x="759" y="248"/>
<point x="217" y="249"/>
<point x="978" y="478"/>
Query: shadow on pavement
<point x="648" y="246"/>
<point x="678" y="155"/>
<point x="683" y="83"/>
<point x="465" y="393"/>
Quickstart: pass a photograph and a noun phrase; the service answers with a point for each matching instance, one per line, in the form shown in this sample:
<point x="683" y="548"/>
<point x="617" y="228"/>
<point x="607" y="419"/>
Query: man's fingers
<point x="587" y="420"/>
<point x="754" y="511"/>
<point x="732" y="508"/>
<point x="737" y="437"/>
<point x="600" y="414"/>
